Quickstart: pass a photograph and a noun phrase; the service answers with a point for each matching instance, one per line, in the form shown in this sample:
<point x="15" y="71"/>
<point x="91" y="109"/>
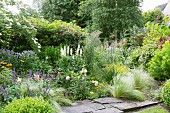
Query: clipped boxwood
<point x="58" y="32"/>
<point x="165" y="94"/>
<point x="160" y="63"/>
<point x="28" y="105"/>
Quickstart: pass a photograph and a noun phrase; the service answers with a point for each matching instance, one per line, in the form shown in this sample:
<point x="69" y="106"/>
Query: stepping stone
<point x="96" y="106"/>
<point x="110" y="110"/>
<point x="108" y="105"/>
<point x="146" y="103"/>
<point x="125" y="106"/>
<point x="84" y="102"/>
<point x="107" y="100"/>
<point x="78" y="109"/>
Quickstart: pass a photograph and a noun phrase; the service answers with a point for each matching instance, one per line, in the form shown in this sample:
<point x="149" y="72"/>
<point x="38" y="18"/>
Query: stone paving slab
<point x="96" y="106"/>
<point x="125" y="106"/>
<point x="78" y="109"/>
<point x="110" y="110"/>
<point x="107" y="105"/>
<point x="107" y="100"/>
<point x="147" y="103"/>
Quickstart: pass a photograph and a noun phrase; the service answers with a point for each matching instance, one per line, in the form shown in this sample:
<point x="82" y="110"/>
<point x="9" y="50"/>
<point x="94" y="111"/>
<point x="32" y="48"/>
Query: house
<point x="165" y="8"/>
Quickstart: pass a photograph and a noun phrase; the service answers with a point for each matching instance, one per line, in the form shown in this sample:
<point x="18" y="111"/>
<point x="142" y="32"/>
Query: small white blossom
<point x="77" y="51"/>
<point x="81" y="52"/>
<point x="67" y="77"/>
<point x="79" y="46"/>
<point x="18" y="80"/>
<point x="68" y="50"/>
<point x="91" y="92"/>
<point x="71" y="51"/>
<point x="83" y="71"/>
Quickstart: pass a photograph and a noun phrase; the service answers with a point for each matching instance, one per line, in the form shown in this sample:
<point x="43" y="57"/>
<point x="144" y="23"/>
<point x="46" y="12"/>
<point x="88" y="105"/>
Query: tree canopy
<point x="112" y="15"/>
<point x="65" y="10"/>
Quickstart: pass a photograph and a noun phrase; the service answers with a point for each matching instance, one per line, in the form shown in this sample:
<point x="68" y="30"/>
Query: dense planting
<point x="48" y="63"/>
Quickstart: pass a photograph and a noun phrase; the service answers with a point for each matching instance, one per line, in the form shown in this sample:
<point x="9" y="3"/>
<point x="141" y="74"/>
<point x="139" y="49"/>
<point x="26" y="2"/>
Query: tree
<point x="112" y="16"/>
<point x="16" y="33"/>
<point x="155" y="15"/>
<point x="65" y="10"/>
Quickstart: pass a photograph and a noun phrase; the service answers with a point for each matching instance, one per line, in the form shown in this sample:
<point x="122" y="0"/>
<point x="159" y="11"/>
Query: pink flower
<point x="36" y="77"/>
<point x="95" y="83"/>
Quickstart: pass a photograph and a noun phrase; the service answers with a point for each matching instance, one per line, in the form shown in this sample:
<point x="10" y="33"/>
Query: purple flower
<point x="30" y="73"/>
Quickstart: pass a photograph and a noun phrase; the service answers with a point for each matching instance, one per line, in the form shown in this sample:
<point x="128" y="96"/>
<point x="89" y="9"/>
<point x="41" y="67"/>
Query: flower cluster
<point x="69" y="51"/>
<point x="5" y="64"/>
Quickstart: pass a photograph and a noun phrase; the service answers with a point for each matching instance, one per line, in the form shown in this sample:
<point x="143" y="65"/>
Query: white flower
<point x="18" y="80"/>
<point x="81" y="52"/>
<point x="68" y="50"/>
<point x="63" y="51"/>
<point x="79" y="46"/>
<point x="77" y="51"/>
<point x="67" y="77"/>
<point x="46" y="57"/>
<point x="83" y="71"/>
<point x="71" y="51"/>
<point x="91" y="92"/>
<point x="95" y="83"/>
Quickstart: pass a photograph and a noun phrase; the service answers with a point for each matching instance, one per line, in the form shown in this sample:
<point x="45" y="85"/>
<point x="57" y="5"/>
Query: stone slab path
<point x="107" y="105"/>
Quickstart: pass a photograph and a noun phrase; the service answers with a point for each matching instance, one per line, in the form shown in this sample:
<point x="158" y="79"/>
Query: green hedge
<point x="57" y="33"/>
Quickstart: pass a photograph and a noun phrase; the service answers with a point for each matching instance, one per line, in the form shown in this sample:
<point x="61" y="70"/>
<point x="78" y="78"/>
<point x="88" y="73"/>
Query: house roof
<point x="162" y="7"/>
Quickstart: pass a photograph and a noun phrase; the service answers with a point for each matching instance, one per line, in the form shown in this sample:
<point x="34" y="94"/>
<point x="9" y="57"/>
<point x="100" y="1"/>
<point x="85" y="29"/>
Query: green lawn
<point x="156" y="109"/>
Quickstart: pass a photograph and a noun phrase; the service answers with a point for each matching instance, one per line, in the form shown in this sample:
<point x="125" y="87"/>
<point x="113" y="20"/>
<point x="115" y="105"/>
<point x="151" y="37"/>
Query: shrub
<point x="16" y="32"/>
<point x="155" y="15"/>
<point x="57" y="33"/>
<point x="51" y="54"/>
<point x="28" y="105"/>
<point x="159" y="64"/>
<point x="165" y="93"/>
<point x="151" y="42"/>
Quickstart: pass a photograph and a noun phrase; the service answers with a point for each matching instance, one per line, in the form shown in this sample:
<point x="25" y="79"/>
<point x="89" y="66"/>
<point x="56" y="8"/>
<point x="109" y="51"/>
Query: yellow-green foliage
<point x="28" y="105"/>
<point x="159" y="64"/>
<point x="165" y="94"/>
<point x="142" y="55"/>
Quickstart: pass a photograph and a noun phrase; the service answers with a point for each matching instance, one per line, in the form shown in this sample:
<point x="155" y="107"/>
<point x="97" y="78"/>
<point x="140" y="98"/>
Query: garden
<point x="67" y="51"/>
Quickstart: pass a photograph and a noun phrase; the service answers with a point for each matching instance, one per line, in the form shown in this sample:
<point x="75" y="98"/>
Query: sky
<point x="146" y="5"/>
<point x="151" y="4"/>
